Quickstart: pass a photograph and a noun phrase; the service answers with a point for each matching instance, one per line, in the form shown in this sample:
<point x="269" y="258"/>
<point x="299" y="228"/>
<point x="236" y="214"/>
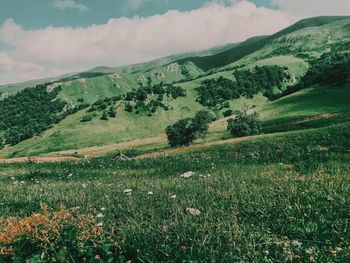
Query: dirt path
<point x="44" y="159"/>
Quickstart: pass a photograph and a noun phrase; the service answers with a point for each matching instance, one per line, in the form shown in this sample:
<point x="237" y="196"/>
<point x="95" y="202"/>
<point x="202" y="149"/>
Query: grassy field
<point x="279" y="199"/>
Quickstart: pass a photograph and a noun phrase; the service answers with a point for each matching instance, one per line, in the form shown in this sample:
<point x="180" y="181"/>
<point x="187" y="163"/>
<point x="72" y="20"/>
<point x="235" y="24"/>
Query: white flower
<point x="99" y="224"/>
<point x="127" y="191"/>
<point x="193" y="211"/>
<point x="69" y="175"/>
<point x="103" y="209"/>
<point x="100" y="215"/>
<point x="296" y="243"/>
<point x="187" y="175"/>
<point x="173" y="196"/>
<point x="150" y="193"/>
<point x="84" y="185"/>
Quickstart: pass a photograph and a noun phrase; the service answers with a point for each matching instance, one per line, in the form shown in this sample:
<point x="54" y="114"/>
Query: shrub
<point x="185" y="131"/>
<point x="228" y="113"/>
<point x="86" y="118"/>
<point x="244" y="124"/>
<point x="104" y="116"/>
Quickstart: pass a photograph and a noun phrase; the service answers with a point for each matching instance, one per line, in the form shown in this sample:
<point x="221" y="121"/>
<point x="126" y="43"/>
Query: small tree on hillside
<point x="185" y="131"/>
<point x="104" y="116"/>
<point x="244" y="124"/>
<point x="112" y="112"/>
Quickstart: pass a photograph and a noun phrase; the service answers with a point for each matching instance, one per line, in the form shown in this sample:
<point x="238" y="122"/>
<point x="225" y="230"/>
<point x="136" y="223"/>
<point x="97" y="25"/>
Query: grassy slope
<point x="268" y="200"/>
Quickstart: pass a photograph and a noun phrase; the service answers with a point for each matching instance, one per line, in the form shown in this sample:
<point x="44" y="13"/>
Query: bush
<point x="104" y="116"/>
<point x="185" y="131"/>
<point x="112" y="112"/>
<point x="228" y="113"/>
<point x="244" y="124"/>
<point x="86" y="118"/>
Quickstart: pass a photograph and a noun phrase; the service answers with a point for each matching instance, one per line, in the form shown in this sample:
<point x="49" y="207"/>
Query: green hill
<point x="312" y="54"/>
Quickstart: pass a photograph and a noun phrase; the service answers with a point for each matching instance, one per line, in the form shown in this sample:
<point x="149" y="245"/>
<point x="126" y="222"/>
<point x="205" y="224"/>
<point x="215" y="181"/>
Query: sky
<point x="45" y="38"/>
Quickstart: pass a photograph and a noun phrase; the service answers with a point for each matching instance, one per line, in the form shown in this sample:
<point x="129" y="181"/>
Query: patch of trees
<point x="185" y="131"/>
<point x="247" y="83"/>
<point x="149" y="98"/>
<point x="244" y="123"/>
<point x="30" y="112"/>
<point x="331" y="68"/>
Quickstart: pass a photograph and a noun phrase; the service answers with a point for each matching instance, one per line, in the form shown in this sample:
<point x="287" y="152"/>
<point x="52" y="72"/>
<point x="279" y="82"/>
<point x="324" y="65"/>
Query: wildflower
<point x="84" y="185"/>
<point x="193" y="211"/>
<point x="100" y="224"/>
<point x="296" y="243"/>
<point x="128" y="191"/>
<point x="150" y="193"/>
<point x="103" y="209"/>
<point x="100" y="215"/>
<point x="187" y="175"/>
<point x="97" y="257"/>
<point x="69" y="175"/>
<point x="173" y="196"/>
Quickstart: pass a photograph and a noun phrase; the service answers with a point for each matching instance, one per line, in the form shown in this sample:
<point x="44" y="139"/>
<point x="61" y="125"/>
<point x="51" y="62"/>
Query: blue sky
<point x="45" y="38"/>
<point x="34" y="14"/>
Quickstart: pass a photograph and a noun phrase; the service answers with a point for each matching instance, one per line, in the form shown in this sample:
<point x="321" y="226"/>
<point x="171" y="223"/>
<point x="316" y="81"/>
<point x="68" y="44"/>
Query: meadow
<point x="279" y="199"/>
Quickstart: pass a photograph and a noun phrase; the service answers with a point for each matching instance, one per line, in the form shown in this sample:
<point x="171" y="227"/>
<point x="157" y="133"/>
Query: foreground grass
<point x="272" y="200"/>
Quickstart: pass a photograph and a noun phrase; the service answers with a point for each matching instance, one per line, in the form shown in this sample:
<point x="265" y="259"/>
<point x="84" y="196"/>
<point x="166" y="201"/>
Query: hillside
<point x="294" y="55"/>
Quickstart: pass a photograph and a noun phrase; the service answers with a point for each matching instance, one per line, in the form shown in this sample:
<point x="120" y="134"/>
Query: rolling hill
<point x="297" y="50"/>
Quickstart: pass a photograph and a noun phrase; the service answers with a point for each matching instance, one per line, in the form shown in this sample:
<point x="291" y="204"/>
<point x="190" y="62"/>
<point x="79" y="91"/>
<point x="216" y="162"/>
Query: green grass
<point x="279" y="199"/>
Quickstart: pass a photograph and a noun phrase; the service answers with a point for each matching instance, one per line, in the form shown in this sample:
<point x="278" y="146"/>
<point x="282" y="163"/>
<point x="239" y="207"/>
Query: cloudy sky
<point x="42" y="38"/>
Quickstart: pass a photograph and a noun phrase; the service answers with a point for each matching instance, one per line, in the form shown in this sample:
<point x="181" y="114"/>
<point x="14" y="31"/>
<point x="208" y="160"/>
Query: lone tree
<point x="112" y="112"/>
<point x="104" y="116"/>
<point x="244" y="124"/>
<point x="185" y="131"/>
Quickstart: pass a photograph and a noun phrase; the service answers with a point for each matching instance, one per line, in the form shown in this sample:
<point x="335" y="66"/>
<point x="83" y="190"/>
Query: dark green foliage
<point x="102" y="104"/>
<point x="332" y="68"/>
<point x="181" y="133"/>
<point x="228" y="113"/>
<point x="86" y="118"/>
<point x="2" y="142"/>
<point x="247" y="83"/>
<point x="185" y="131"/>
<point x="244" y="124"/>
<point x="128" y="107"/>
<point x="112" y="112"/>
<point x="148" y="99"/>
<point x="30" y="112"/>
<point x="104" y="116"/>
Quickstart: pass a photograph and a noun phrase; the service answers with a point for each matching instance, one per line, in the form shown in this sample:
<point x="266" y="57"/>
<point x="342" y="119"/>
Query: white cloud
<point x="308" y="8"/>
<point x="69" y="4"/>
<point x="124" y="41"/>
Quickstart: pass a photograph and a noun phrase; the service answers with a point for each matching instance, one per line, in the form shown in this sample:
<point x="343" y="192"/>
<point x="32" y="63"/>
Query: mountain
<point x="289" y="77"/>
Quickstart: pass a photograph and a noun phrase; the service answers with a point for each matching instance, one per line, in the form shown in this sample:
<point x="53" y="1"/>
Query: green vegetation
<point x="244" y="123"/>
<point x="185" y="131"/>
<point x="278" y="199"/>
<point x="246" y="83"/>
<point x="30" y="112"/>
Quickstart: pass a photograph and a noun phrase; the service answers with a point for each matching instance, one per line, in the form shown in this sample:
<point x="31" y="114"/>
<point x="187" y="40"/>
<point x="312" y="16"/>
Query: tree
<point x="2" y="142"/>
<point x="112" y="112"/>
<point x="104" y="116"/>
<point x="185" y="131"/>
<point x="228" y="113"/>
<point x="181" y="133"/>
<point x="244" y="124"/>
<point x="200" y="123"/>
<point x="128" y="107"/>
